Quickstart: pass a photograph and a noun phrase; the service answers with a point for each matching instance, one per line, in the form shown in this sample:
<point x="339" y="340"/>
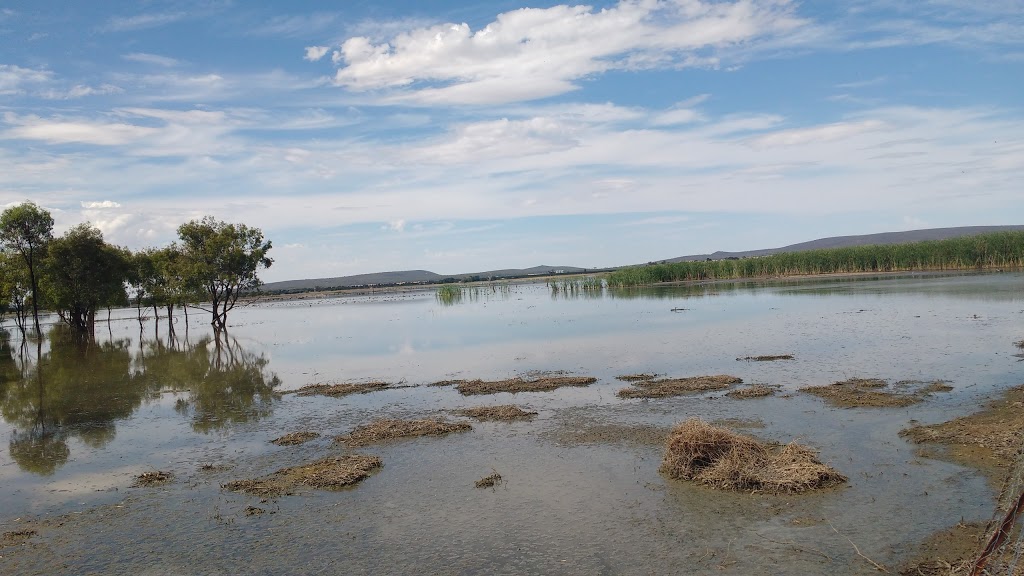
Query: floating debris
<point x="677" y="386"/>
<point x="389" y="429"/>
<point x="514" y="385"/>
<point x="504" y="413"/>
<point x="339" y="390"/>
<point x="327" y="473"/>
<point x="723" y="459"/>
<point x="489" y="481"/>
<point x="156" y="478"/>
<point x="755" y="391"/>
<point x="295" y="438"/>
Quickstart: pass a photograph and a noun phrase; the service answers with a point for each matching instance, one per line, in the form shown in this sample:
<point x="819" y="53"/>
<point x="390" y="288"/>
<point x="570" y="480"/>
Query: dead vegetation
<point x="876" y="393"/>
<point x="155" y="478"/>
<point x="514" y="385"/>
<point x="723" y="459"/>
<point x="326" y="473"/>
<point x="636" y="377"/>
<point x="1019" y="344"/>
<point x="388" y="429"/>
<point x="987" y="440"/>
<point x="767" y="358"/>
<point x="503" y="413"/>
<point x="295" y="438"/>
<point x="490" y="481"/>
<point x="677" y="386"/>
<point x="948" y="552"/>
<point x="339" y="390"/>
<point x="755" y="391"/>
<point x="253" y="511"/>
<point x="16" y="537"/>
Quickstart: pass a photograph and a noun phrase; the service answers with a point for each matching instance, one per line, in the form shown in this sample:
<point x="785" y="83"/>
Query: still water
<point x="82" y="421"/>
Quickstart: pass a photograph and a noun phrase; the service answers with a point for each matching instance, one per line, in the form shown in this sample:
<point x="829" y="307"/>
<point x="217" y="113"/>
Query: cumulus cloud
<point x="394" y="226"/>
<point x="314" y="53"/>
<point x="100" y="205"/>
<point x="536" y="52"/>
<point x="13" y="79"/>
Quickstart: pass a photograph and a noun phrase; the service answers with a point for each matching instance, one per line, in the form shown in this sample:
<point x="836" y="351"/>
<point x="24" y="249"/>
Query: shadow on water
<point x="78" y="389"/>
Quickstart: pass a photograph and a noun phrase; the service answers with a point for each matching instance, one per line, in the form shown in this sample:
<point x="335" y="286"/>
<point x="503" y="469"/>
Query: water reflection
<point x="79" y="389"/>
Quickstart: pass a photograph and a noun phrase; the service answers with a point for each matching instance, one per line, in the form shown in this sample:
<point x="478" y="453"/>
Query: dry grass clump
<point x="767" y="358"/>
<point x="875" y="393"/>
<point x="339" y="390"/>
<point x="490" y="481"/>
<point x="388" y="429"/>
<point x="636" y="377"/>
<point x="514" y="385"/>
<point x="755" y="391"/>
<point x="326" y="473"/>
<point x="504" y="413"/>
<point x="723" y="459"/>
<point x="295" y="438"/>
<point x="16" y="536"/>
<point x="677" y="386"/>
<point x="154" y="478"/>
<point x="1019" y="344"/>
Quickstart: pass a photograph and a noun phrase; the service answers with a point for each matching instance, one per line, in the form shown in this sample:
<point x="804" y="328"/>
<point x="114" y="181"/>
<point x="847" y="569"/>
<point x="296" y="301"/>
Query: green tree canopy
<point x="26" y="229"/>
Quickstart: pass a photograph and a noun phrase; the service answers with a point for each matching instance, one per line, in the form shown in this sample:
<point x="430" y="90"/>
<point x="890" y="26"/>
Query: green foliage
<point x="999" y="249"/>
<point x="26" y="229"/>
<point x="15" y="289"/>
<point x="224" y="260"/>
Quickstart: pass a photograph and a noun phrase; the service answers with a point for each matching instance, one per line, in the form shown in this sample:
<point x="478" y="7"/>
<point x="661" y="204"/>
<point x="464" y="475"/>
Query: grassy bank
<point x="996" y="250"/>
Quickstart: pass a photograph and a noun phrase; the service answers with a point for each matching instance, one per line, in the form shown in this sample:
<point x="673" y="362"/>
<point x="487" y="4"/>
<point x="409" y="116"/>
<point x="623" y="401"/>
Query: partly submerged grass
<point x="723" y="459"/>
<point x="154" y="478"/>
<point x="767" y="358"/>
<point x="489" y="481"/>
<point x="676" y="386"/>
<point x="514" y="385"/>
<point x="640" y="377"/>
<point x="388" y="429"/>
<point x="295" y="438"/>
<point x="326" y="473"/>
<point x="505" y="413"/>
<point x="338" y="390"/>
<point x="876" y="393"/>
<point x="755" y="391"/>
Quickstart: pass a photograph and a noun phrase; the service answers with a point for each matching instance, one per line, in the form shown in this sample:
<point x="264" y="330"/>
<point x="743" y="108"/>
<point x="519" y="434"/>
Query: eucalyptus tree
<point x="26" y="230"/>
<point x="223" y="259"/>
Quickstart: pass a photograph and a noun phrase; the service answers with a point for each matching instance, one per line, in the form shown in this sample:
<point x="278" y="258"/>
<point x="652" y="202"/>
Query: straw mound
<point x="677" y="386"/>
<point x="152" y="479"/>
<point x="756" y="391"/>
<point x="636" y="377"/>
<point x="489" y="481"/>
<point x="330" y="472"/>
<point x="505" y="413"/>
<point x="767" y="358"/>
<point x="339" y="390"/>
<point x="1019" y="344"/>
<point x="723" y="459"/>
<point x="295" y="438"/>
<point x="513" y="385"/>
<point x="875" y="393"/>
<point x="388" y="429"/>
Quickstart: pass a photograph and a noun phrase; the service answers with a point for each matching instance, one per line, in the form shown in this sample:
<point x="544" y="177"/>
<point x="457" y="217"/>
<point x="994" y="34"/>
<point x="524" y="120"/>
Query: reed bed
<point x="326" y="473"/>
<point x="390" y="429"/>
<point x="503" y="413"/>
<point x="722" y="459"/>
<point x="640" y="377"/>
<point x="994" y="250"/>
<point x="677" y="386"/>
<point x="295" y="438"/>
<point x="767" y="358"/>
<point x="748" y="392"/>
<point x="339" y="390"/>
<point x="154" y="478"/>
<point x="514" y="385"/>
<point x="490" y="481"/>
<point x="876" y="393"/>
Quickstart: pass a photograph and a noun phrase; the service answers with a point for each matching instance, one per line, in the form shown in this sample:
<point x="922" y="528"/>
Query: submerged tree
<point x="223" y="259"/>
<point x="26" y="230"/>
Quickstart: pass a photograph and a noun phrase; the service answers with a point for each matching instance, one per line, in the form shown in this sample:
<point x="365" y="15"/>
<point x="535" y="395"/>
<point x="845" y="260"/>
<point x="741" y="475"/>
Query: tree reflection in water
<point x="79" y="389"/>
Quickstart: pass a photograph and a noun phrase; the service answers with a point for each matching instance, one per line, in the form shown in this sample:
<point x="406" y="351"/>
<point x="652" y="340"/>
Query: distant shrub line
<point x="995" y="250"/>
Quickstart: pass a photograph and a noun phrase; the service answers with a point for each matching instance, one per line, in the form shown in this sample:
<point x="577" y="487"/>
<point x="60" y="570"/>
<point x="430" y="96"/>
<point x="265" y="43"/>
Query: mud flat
<point x="678" y="386"/>
<point x="876" y="393"/>
<point x="514" y="385"/>
<point x="722" y="459"/>
<point x="339" y="390"/>
<point x="389" y="429"/>
<point x="295" y="438"/>
<point x="502" y="413"/>
<point x="326" y="473"/>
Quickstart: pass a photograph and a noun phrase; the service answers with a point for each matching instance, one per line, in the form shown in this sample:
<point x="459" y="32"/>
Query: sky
<point x="468" y="136"/>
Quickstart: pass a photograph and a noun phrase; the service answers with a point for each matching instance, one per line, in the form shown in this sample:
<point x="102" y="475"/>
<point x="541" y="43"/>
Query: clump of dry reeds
<point x="338" y="390"/>
<point x="636" y="377"/>
<point x="876" y="393"/>
<point x="154" y="478"/>
<point x="767" y="358"/>
<point x="489" y="481"/>
<point x="755" y="391"/>
<point x="677" y="386"/>
<point x="504" y="413"/>
<point x="295" y="438"/>
<point x="721" y="458"/>
<point x="514" y="385"/>
<point x="388" y="429"/>
<point x="326" y="473"/>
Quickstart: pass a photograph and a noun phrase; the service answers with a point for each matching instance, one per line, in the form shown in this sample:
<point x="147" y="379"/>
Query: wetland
<point x="357" y="433"/>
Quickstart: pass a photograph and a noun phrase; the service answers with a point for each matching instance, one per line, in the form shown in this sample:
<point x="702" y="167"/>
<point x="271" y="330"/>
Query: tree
<point x="15" y="292"/>
<point x="223" y="259"/>
<point x="26" y="229"/>
<point x="84" y="273"/>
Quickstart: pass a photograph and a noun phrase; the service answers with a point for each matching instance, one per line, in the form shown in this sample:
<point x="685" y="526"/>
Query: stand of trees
<point x="79" y="273"/>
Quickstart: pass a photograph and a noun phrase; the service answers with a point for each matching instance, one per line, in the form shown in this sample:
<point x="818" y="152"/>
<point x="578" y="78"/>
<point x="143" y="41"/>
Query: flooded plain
<point x="578" y="489"/>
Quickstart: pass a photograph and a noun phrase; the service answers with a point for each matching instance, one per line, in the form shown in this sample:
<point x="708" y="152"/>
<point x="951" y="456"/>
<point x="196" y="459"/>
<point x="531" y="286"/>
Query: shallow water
<point x="82" y="423"/>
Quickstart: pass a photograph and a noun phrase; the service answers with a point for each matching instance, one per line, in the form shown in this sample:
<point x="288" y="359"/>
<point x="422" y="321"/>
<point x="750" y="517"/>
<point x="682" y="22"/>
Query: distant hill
<point x="410" y="277"/>
<point x="863" y="240"/>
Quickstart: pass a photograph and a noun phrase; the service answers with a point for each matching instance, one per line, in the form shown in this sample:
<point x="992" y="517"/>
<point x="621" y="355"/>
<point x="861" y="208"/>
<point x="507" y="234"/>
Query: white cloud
<point x="394" y="226"/>
<point x="297" y="25"/>
<point x="314" y="53"/>
<point x="141" y="21"/>
<point x="14" y="78"/>
<point x="533" y="53"/>
<point x="79" y="131"/>
<point x="155" y="59"/>
<point x="817" y="134"/>
<point x="99" y="205"/>
<point x="81" y="91"/>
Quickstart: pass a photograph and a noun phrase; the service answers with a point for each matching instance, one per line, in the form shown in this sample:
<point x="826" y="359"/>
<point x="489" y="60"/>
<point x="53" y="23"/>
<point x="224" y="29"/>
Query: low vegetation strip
<point x="876" y="393"/>
<point x="295" y="438"/>
<point x="755" y="391"/>
<point x="995" y="250"/>
<point x="514" y="385"/>
<point x="767" y="358"/>
<point x="505" y="413"/>
<point x="677" y="386"/>
<point x="388" y="429"/>
<point x="338" y="390"/>
<point x="326" y="473"/>
<point x="720" y="458"/>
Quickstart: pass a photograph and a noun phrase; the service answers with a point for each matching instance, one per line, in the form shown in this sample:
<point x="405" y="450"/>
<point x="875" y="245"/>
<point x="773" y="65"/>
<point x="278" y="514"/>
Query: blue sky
<point x="456" y="137"/>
